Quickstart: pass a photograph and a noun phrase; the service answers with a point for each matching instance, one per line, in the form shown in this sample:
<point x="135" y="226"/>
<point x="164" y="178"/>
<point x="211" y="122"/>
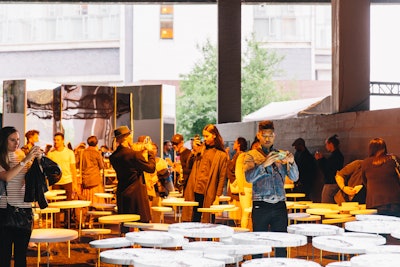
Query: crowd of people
<point x="253" y="178"/>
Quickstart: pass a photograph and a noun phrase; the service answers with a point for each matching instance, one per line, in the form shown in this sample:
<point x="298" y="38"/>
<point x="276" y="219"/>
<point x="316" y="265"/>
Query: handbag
<point x="51" y="170"/>
<point x="18" y="218"/>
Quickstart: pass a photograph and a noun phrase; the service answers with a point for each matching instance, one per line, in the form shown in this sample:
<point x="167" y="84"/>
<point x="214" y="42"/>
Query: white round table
<point x="376" y="217"/>
<point x="237" y="251"/>
<point x="348" y="243"/>
<point x="273" y="239"/>
<point x="71" y="204"/>
<point x="374" y="260"/>
<point x="339" y="264"/>
<point x="140" y="257"/>
<point x="274" y="262"/>
<point x="373" y="227"/>
<point x="312" y="229"/>
<point x="201" y="230"/>
<point x="383" y="249"/>
<point x="396" y="234"/>
<point x="179" y="203"/>
<point x="114" y="242"/>
<point x="156" y="239"/>
<point x="52" y="235"/>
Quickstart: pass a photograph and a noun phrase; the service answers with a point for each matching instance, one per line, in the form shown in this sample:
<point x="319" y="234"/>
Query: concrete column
<point x="350" y="55"/>
<point x="229" y="61"/>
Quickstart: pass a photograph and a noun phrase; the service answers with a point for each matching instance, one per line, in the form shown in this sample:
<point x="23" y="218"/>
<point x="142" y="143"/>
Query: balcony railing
<point x="384" y="88"/>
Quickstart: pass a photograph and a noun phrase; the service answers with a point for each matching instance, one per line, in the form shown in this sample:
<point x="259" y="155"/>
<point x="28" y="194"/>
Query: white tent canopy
<point x="282" y="110"/>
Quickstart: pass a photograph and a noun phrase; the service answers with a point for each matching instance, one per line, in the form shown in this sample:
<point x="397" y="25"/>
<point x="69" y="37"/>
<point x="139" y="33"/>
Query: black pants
<point x="8" y="236"/>
<point x="270" y="217"/>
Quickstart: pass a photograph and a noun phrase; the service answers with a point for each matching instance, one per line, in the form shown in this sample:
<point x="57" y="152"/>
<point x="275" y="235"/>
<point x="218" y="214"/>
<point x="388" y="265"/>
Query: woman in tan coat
<point x="206" y="180"/>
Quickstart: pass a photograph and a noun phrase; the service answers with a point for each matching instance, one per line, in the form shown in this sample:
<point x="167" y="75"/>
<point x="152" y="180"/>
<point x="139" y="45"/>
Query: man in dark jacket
<point x="130" y="160"/>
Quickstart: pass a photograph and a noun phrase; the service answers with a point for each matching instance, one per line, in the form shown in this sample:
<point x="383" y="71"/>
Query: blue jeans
<point x="270" y="217"/>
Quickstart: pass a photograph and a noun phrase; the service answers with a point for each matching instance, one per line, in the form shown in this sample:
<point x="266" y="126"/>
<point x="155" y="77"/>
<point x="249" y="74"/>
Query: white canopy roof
<point x="282" y="110"/>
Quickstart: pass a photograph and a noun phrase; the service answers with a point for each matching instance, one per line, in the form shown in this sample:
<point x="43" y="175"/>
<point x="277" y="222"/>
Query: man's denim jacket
<point x="268" y="183"/>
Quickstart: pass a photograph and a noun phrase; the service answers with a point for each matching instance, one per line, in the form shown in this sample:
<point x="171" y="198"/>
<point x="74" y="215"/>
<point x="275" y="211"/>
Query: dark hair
<point x="265" y="125"/>
<point x="92" y="140"/>
<point x="219" y="142"/>
<point x="59" y="134"/>
<point x="333" y="140"/>
<point x="242" y="143"/>
<point x="5" y="132"/>
<point x="377" y="149"/>
<point x="255" y="141"/>
<point x="31" y="133"/>
<point x="166" y="142"/>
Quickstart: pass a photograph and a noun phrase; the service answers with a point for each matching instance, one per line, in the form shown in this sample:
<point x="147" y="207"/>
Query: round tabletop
<point x="312" y="229"/>
<point x="46" y="210"/>
<point x="273" y="239"/>
<point x="364" y="211"/>
<point x="201" y="230"/>
<point x="155" y="257"/>
<point x="114" y="242"/>
<point x="373" y="260"/>
<point x="119" y="218"/>
<point x="178" y="202"/>
<point x="155" y="239"/>
<point x="396" y="234"/>
<point x="298" y="215"/>
<point x="224" y="207"/>
<point x="272" y="262"/>
<point x="376" y="217"/>
<point x="219" y="247"/>
<point x="375" y="227"/>
<point x="295" y="195"/>
<point x="69" y="204"/>
<point x="321" y="211"/>
<point x="349" y="243"/>
<point x="288" y="186"/>
<point x="383" y="249"/>
<point x="53" y="235"/>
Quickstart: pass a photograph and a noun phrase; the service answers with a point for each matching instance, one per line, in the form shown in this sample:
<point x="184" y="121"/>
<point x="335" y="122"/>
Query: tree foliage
<point x="197" y="101"/>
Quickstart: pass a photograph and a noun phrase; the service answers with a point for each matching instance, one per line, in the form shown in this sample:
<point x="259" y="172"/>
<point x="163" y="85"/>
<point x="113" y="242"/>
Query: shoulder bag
<point x="18" y="218"/>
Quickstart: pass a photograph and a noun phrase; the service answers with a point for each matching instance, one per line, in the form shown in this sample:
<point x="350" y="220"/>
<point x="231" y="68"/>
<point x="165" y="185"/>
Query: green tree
<point x="197" y="101"/>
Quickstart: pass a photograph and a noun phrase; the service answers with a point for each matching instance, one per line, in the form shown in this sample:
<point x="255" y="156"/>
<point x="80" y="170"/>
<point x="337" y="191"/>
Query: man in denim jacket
<point x="268" y="178"/>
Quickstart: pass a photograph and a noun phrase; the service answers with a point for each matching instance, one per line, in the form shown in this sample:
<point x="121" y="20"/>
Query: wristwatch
<point x="21" y="163"/>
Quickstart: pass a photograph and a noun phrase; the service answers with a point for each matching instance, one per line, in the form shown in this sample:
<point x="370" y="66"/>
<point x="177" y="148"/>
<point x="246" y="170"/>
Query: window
<point x="166" y="22"/>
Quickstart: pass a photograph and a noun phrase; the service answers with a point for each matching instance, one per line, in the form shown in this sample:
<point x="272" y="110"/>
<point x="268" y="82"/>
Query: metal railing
<point x="384" y="88"/>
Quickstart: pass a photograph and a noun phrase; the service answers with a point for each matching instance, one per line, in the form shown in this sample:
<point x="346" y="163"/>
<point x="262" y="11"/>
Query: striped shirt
<point x="16" y="186"/>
